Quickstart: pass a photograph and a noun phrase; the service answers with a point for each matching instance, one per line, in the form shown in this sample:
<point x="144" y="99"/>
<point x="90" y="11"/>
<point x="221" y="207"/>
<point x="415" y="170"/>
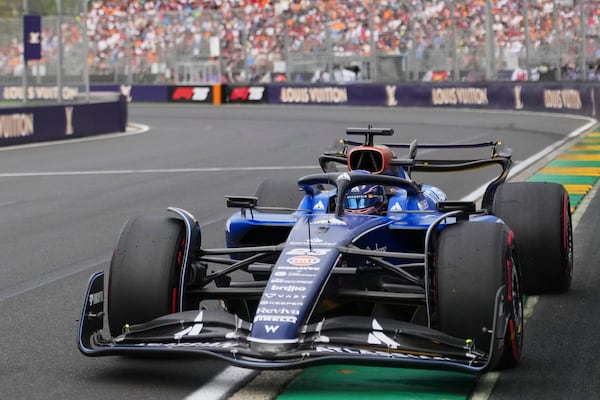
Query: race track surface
<point x="63" y="205"/>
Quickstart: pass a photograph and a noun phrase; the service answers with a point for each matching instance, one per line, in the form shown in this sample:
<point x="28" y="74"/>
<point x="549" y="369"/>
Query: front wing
<point x="219" y="334"/>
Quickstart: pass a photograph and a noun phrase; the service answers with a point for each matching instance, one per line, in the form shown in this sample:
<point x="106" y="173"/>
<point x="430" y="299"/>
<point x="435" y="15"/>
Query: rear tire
<point x="540" y="215"/>
<point x="474" y="261"/>
<point x="279" y="193"/>
<point x="145" y="271"/>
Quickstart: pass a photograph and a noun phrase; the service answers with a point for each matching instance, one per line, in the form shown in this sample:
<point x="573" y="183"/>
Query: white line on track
<point x="132" y="129"/>
<point x="224" y="384"/>
<point x="155" y="171"/>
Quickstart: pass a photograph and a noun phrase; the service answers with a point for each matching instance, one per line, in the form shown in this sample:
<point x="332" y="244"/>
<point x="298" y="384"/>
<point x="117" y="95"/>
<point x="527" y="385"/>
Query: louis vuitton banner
<point x="573" y="98"/>
<point x="23" y="125"/>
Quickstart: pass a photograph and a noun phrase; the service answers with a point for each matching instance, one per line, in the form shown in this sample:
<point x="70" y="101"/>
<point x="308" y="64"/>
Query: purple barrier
<point x="352" y="94"/>
<point x="142" y="93"/>
<point x="22" y="125"/>
<point x="572" y="98"/>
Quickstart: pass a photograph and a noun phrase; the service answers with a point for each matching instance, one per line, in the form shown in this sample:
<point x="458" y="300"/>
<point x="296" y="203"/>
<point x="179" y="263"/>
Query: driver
<point x="365" y="199"/>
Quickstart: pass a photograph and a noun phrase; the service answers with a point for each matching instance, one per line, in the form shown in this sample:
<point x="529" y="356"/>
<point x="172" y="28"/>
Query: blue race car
<point x="358" y="265"/>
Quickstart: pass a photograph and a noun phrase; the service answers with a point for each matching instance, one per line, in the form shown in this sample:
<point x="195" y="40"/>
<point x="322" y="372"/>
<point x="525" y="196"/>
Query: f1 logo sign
<point x="247" y="93"/>
<point x="200" y="94"/>
<point x="191" y="93"/>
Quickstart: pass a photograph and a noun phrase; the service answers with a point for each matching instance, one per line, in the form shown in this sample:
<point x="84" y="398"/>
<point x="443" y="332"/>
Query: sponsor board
<point x="190" y="94"/>
<point x="23" y="125"/>
<point x="245" y="94"/>
<point x="39" y="92"/>
<point x="468" y="96"/>
<point x="16" y="125"/>
<point x="32" y="32"/>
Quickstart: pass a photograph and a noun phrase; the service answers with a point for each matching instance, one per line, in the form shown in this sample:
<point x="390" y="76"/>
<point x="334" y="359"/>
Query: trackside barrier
<point x="23" y="125"/>
<point x="34" y="124"/>
<point x="570" y="97"/>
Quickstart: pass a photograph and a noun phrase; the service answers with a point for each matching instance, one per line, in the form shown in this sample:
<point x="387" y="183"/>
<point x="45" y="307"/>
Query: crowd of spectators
<point x="251" y="38"/>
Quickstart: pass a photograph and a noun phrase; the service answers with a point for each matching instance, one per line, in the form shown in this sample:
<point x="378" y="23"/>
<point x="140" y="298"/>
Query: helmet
<point x="365" y="199"/>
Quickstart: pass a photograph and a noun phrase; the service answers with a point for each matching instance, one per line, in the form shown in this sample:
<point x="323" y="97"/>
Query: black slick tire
<point x="475" y="263"/>
<point x="540" y="215"/>
<point x="279" y="193"/>
<point x="145" y="271"/>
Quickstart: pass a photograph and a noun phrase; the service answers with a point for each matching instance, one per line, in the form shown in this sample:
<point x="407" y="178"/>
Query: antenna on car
<point x="309" y="238"/>
<point x="412" y="154"/>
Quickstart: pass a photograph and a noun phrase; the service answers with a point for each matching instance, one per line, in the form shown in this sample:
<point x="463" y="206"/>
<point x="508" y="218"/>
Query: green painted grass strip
<point x="564" y="179"/>
<point x="574" y="163"/>
<point x="342" y="382"/>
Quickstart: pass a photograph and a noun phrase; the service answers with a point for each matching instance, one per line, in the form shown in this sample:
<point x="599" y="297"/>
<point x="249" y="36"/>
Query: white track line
<point x="132" y="129"/>
<point x="154" y="171"/>
<point x="224" y="384"/>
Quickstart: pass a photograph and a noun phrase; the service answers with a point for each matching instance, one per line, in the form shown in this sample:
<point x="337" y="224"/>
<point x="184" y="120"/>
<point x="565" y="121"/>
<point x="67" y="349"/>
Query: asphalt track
<point x="62" y="206"/>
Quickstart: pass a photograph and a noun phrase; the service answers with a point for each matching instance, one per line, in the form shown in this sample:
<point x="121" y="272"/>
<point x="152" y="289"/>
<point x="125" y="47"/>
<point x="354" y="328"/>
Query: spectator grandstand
<point x="260" y="40"/>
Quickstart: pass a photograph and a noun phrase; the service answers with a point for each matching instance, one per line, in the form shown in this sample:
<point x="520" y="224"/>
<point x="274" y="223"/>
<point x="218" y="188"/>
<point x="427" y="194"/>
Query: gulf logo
<point x="303" y="261"/>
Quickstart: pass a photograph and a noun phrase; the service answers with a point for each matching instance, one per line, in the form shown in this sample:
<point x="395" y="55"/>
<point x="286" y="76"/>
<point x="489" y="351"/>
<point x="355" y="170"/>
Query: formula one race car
<point x="358" y="266"/>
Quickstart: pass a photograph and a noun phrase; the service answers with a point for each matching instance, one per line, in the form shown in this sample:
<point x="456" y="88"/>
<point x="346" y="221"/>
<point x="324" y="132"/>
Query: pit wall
<point x="76" y="120"/>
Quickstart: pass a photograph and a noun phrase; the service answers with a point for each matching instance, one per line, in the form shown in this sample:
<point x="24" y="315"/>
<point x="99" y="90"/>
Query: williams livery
<point x="359" y="264"/>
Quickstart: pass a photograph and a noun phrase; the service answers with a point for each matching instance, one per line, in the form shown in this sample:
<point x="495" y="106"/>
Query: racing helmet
<point x="364" y="199"/>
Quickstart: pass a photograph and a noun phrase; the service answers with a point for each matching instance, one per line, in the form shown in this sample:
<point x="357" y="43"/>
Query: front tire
<point x="143" y="280"/>
<point x="476" y="262"/>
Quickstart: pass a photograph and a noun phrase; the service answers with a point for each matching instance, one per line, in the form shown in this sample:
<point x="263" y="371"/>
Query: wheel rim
<point x="515" y="298"/>
<point x="568" y="237"/>
<point x="176" y="276"/>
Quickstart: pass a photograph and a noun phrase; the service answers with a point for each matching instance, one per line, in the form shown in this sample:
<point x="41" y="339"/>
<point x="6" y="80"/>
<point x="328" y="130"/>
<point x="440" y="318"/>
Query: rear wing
<point x="499" y="155"/>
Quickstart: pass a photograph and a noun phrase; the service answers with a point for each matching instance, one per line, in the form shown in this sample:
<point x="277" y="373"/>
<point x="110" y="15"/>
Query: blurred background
<point x="309" y="41"/>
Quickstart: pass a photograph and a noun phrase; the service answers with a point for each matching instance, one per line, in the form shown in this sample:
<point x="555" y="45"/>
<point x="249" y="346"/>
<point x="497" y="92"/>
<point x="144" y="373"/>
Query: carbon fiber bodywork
<point x="322" y="286"/>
